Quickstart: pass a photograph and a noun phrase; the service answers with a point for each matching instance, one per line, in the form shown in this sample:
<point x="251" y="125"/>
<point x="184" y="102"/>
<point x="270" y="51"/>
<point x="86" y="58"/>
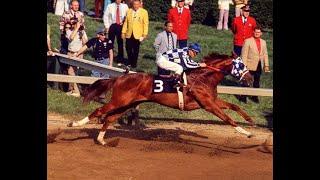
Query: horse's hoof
<point x="69" y="124"/>
<point x="254" y="125"/>
<point x="101" y="142"/>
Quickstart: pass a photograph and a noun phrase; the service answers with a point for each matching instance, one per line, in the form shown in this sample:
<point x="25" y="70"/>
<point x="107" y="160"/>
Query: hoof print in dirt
<point x="69" y="124"/>
<point x="113" y="143"/>
<point x="250" y="136"/>
<point x="51" y="137"/>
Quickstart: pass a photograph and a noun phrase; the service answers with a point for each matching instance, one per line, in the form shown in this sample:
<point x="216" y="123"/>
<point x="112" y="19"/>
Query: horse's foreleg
<point x="226" y="105"/>
<point x="209" y="105"/>
<point x="215" y="109"/>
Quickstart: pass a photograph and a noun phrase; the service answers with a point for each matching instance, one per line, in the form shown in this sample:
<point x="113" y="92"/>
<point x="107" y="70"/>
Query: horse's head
<point x="229" y="65"/>
<point x="240" y="71"/>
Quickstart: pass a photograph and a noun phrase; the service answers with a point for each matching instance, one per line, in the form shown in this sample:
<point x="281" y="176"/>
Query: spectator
<point x="102" y="51"/>
<point x="51" y="5"/>
<point x="224" y="14"/>
<point x="105" y="4"/>
<point x="130" y="2"/>
<point x="242" y="28"/>
<point x="135" y="30"/>
<point x="63" y="39"/>
<point x="49" y="50"/>
<point x="255" y="56"/>
<point x="113" y="19"/>
<point x="165" y="41"/>
<point x="238" y="4"/>
<point x="77" y="37"/>
<point x="188" y="4"/>
<point x="181" y="19"/>
<point x="168" y="61"/>
<point x="50" y="61"/>
<point x="65" y="18"/>
<point x="98" y="8"/>
<point x="61" y="7"/>
<point x="82" y="4"/>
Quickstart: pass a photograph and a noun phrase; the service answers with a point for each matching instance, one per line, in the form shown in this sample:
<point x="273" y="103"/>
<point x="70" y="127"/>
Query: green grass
<point x="210" y="39"/>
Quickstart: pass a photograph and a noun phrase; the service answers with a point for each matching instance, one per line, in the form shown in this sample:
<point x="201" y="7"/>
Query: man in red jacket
<point x="242" y="28"/>
<point x="181" y="19"/>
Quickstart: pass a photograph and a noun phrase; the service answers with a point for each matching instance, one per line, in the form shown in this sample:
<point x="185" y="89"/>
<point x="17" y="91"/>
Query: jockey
<point x="178" y="60"/>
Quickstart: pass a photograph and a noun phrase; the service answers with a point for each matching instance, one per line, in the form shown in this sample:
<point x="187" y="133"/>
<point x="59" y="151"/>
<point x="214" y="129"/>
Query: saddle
<point x="164" y="84"/>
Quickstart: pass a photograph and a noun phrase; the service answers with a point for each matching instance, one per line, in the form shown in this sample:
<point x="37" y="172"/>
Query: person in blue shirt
<point x="102" y="51"/>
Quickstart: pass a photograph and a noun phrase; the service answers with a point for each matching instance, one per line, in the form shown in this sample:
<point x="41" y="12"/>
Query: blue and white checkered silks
<point x="239" y="69"/>
<point x="180" y="56"/>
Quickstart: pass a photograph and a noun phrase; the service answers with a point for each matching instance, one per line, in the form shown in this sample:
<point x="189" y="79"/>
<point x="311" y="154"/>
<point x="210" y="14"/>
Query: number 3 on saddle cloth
<point x="164" y="82"/>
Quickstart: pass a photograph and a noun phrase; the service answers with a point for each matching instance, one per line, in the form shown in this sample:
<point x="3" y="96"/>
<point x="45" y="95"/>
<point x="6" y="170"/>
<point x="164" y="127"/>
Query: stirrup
<point x="178" y="84"/>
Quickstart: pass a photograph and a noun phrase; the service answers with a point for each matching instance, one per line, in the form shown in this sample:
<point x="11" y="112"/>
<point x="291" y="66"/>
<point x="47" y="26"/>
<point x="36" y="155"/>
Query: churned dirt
<point x="168" y="150"/>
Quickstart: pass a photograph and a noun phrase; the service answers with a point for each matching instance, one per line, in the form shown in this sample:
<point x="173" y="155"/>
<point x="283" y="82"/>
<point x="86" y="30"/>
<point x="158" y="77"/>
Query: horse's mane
<point x="215" y="56"/>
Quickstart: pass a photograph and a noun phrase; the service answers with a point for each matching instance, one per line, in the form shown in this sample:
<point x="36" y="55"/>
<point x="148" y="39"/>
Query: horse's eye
<point x="241" y="66"/>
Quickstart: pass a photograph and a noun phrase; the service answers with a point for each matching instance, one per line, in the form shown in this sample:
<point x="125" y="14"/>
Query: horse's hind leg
<point x="108" y="120"/>
<point x="226" y="105"/>
<point x="96" y="114"/>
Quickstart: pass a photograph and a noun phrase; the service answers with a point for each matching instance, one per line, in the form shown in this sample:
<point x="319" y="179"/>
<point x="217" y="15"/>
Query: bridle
<point x="236" y="71"/>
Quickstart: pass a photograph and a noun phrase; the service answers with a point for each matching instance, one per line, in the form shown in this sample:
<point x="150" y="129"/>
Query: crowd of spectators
<point x="127" y="20"/>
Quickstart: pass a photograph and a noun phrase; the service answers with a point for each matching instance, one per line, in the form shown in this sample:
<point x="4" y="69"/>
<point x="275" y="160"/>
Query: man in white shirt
<point x="113" y="18"/>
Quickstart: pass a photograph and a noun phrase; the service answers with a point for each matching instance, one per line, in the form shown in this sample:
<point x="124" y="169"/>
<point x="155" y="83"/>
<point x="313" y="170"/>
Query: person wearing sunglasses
<point x="178" y="60"/>
<point x="102" y="51"/>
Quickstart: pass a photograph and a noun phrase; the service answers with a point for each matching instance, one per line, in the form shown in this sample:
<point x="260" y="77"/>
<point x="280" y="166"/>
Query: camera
<point x="81" y="28"/>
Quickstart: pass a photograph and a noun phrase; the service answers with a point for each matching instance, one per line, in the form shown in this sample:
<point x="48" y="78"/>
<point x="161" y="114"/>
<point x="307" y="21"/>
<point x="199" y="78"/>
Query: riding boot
<point x="177" y="81"/>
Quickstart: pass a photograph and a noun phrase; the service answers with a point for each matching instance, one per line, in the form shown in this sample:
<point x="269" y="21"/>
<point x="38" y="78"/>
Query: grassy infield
<point x="208" y="37"/>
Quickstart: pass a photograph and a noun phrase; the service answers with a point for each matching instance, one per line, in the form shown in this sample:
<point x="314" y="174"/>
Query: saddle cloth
<point x="165" y="85"/>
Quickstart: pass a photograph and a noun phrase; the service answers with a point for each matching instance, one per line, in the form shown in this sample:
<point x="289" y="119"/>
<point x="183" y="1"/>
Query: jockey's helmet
<point x="195" y="47"/>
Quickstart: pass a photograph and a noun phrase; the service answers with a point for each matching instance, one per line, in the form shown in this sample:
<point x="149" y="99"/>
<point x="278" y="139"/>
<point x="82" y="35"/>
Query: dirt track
<point x="160" y="151"/>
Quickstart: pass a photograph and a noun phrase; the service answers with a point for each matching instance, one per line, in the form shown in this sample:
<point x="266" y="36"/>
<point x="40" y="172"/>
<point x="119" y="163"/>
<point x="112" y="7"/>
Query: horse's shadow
<point x="158" y="135"/>
<point x="198" y="121"/>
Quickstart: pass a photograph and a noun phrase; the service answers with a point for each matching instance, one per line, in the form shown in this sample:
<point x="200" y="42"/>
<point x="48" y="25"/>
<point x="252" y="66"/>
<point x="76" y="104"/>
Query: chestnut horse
<point x="129" y="90"/>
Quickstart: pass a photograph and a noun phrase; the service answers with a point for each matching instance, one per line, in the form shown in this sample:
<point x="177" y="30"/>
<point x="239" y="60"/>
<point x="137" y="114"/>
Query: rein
<point x="216" y="69"/>
<point x="219" y="70"/>
<point x="213" y="68"/>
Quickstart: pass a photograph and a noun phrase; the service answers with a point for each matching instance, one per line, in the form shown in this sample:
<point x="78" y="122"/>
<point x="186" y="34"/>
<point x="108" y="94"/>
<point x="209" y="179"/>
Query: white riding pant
<point x="164" y="63"/>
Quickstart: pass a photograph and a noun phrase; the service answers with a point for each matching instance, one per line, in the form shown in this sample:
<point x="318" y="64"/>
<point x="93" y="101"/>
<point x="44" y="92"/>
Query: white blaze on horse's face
<point x="239" y="69"/>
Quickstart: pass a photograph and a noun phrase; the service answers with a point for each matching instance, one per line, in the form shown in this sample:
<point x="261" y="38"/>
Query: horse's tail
<point x="97" y="88"/>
